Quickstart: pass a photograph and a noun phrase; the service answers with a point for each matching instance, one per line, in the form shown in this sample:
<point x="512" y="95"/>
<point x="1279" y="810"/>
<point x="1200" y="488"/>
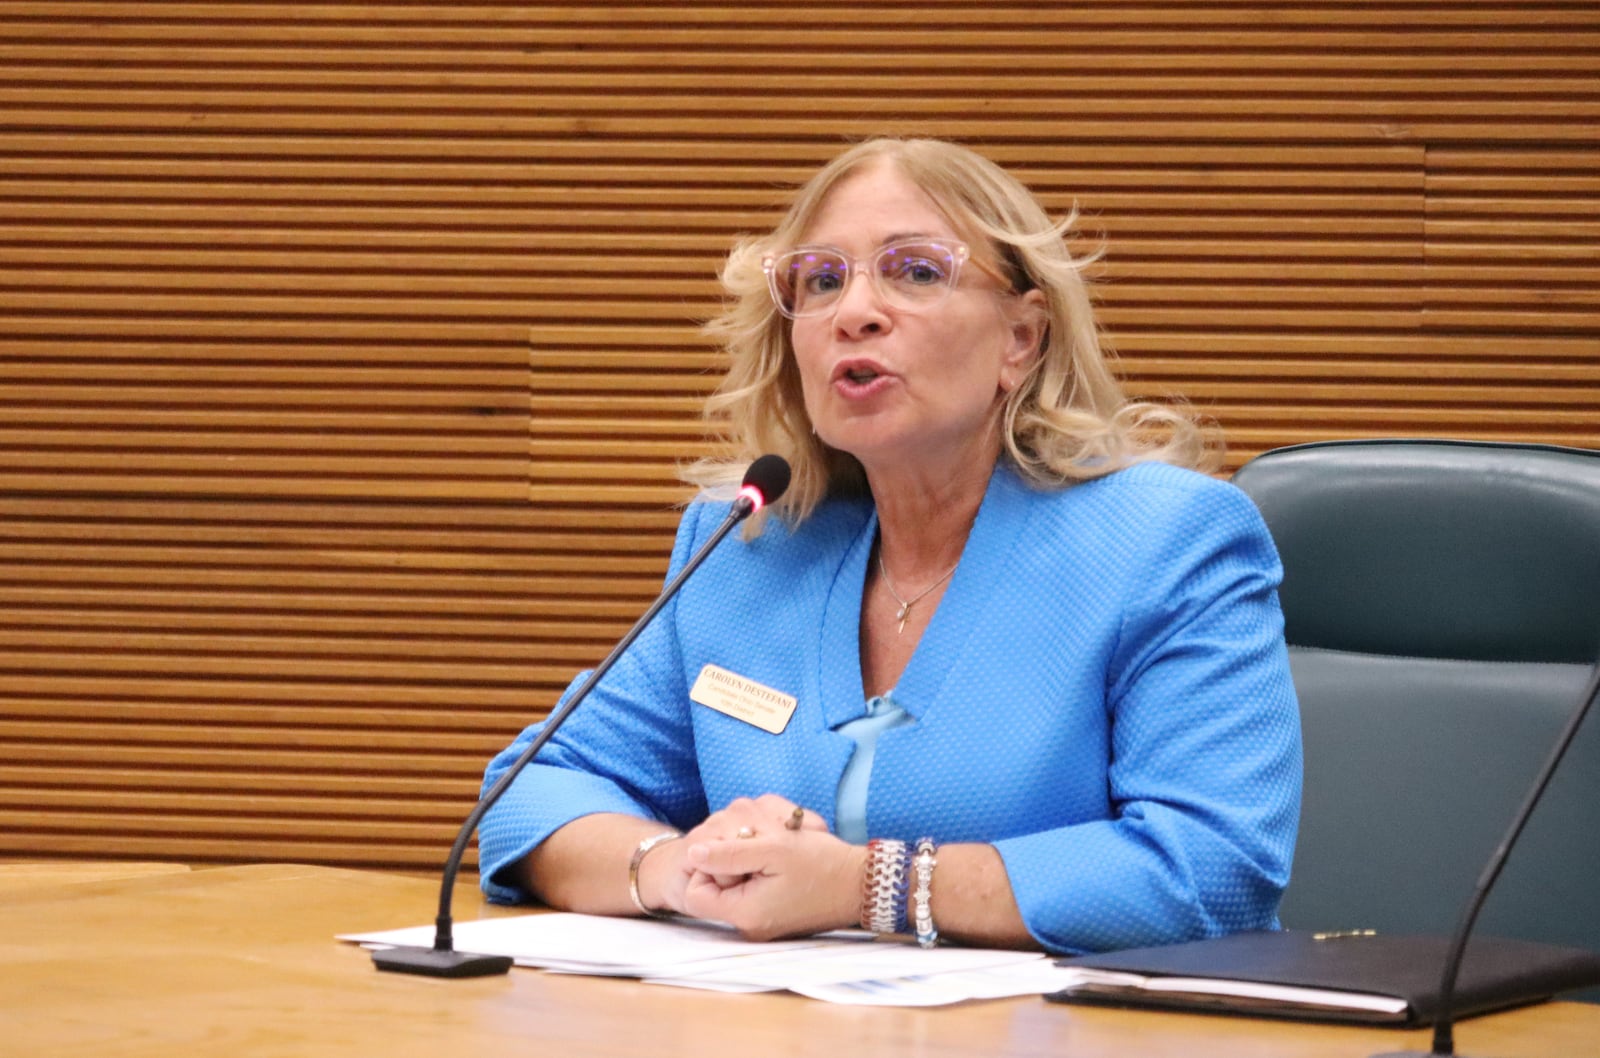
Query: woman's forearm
<point x="972" y="899"/>
<point x="583" y="866"/>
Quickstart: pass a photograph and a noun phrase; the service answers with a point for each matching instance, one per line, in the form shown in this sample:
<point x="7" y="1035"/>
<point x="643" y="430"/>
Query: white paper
<point x="629" y="947"/>
<point x="870" y="962"/>
<point x="1286" y="995"/>
<point x="1027" y="978"/>
<point x="847" y="967"/>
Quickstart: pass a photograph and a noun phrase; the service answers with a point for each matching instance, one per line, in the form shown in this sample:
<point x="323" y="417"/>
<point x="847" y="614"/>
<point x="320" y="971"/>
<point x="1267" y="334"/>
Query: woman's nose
<point x="859" y="307"/>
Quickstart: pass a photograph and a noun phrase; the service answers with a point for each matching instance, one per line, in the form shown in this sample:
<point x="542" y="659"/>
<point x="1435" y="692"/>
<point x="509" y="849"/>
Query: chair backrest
<point x="1442" y="606"/>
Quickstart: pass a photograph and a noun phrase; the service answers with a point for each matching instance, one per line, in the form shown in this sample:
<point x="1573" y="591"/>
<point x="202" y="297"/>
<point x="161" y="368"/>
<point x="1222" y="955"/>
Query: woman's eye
<point x="823" y="282"/>
<point x="920" y="273"/>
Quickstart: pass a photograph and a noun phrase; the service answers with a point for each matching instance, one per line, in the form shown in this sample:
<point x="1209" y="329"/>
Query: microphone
<point x="1444" y="1024"/>
<point x="764" y="481"/>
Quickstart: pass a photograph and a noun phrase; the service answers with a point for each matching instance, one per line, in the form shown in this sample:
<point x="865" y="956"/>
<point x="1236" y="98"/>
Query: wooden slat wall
<point x="347" y="349"/>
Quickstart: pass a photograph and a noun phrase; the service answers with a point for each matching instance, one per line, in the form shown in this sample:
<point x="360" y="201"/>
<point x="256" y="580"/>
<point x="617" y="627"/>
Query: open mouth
<point x="860" y="372"/>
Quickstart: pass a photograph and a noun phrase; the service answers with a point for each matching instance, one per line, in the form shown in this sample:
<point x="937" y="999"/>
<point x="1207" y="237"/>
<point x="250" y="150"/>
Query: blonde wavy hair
<point x="1068" y="420"/>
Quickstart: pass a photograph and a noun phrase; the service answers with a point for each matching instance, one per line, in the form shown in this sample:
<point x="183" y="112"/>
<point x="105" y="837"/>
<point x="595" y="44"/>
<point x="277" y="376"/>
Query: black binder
<point x="1359" y="977"/>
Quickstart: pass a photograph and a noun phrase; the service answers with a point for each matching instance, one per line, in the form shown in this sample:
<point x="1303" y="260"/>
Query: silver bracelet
<point x="883" y="887"/>
<point x="633" y="870"/>
<point x="921" y="899"/>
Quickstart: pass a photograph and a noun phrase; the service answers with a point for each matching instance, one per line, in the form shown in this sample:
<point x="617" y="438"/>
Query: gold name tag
<point x="733" y="695"/>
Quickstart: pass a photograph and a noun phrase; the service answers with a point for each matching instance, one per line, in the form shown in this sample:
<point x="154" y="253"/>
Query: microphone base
<point x="431" y="962"/>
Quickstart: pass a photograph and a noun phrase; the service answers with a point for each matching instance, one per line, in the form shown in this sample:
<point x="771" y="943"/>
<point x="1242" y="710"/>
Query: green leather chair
<point x="1442" y="607"/>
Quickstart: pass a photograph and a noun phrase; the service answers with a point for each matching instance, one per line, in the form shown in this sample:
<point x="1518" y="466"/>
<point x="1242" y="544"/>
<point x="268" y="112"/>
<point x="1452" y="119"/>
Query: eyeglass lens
<point x="908" y="276"/>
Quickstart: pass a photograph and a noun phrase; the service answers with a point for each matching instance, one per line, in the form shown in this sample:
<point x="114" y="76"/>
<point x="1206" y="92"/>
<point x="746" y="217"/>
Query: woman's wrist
<point x="646" y="877"/>
<point x="846" y="886"/>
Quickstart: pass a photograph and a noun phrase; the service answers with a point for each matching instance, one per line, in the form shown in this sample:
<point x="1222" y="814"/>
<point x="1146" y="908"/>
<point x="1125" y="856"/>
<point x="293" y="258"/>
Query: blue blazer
<point x="1103" y="694"/>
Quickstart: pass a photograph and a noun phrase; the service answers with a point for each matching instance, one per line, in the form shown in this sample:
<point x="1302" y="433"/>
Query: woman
<point x="1030" y="681"/>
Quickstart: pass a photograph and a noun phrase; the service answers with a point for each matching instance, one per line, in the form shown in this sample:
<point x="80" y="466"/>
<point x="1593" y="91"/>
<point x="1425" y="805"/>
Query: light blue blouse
<point x="850" y="812"/>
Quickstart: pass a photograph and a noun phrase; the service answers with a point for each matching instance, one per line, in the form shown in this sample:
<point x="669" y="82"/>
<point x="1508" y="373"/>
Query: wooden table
<point x="22" y="876"/>
<point x="242" y="962"/>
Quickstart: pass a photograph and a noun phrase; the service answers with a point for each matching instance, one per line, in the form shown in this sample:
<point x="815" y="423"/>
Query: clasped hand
<point x="745" y="866"/>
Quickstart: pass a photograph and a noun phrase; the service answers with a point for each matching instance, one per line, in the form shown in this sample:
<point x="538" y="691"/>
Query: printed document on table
<point x="846" y="967"/>
<point x="595" y="944"/>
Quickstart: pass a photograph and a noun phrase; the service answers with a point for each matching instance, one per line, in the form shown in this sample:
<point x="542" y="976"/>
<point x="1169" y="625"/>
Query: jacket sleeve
<point x="1205" y="770"/>
<point x="627" y="749"/>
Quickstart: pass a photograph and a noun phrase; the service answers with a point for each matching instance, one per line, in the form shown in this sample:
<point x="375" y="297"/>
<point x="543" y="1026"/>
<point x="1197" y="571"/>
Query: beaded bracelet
<point x="922" y="911"/>
<point x="883" y="887"/>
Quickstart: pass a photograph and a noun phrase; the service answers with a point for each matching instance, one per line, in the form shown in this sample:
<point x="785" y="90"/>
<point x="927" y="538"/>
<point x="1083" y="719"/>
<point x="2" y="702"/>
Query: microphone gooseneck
<point x="1444" y="1024"/>
<point x="764" y="481"/>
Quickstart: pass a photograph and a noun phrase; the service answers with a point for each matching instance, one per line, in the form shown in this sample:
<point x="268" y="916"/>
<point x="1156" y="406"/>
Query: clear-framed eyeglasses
<point x="913" y="275"/>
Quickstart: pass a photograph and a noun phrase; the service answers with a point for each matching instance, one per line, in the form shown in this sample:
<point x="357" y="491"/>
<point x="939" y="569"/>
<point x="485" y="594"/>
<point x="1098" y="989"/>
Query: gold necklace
<point x="906" y="604"/>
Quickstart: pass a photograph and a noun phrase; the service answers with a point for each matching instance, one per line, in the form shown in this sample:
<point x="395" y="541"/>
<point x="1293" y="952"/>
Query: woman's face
<point x="902" y="389"/>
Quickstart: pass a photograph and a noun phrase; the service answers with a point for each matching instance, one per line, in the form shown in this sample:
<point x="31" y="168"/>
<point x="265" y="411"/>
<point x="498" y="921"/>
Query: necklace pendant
<point x="905" y="608"/>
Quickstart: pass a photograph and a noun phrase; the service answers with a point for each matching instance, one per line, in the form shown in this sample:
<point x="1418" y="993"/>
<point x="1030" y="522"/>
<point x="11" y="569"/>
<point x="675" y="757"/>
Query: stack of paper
<point x="840" y="968"/>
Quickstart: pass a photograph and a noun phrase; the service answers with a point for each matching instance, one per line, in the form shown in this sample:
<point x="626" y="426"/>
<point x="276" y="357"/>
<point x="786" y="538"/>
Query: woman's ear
<point x="1030" y="323"/>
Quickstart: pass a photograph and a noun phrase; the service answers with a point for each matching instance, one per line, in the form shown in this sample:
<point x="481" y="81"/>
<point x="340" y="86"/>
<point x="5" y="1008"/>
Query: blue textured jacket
<point x="1103" y="694"/>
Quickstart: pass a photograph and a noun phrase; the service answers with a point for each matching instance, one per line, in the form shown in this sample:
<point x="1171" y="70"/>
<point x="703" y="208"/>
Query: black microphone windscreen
<point x="769" y="474"/>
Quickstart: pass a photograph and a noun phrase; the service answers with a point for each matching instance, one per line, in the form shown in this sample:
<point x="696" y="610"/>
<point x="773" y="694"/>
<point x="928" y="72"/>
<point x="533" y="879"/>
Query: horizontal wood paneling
<point x="347" y="350"/>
